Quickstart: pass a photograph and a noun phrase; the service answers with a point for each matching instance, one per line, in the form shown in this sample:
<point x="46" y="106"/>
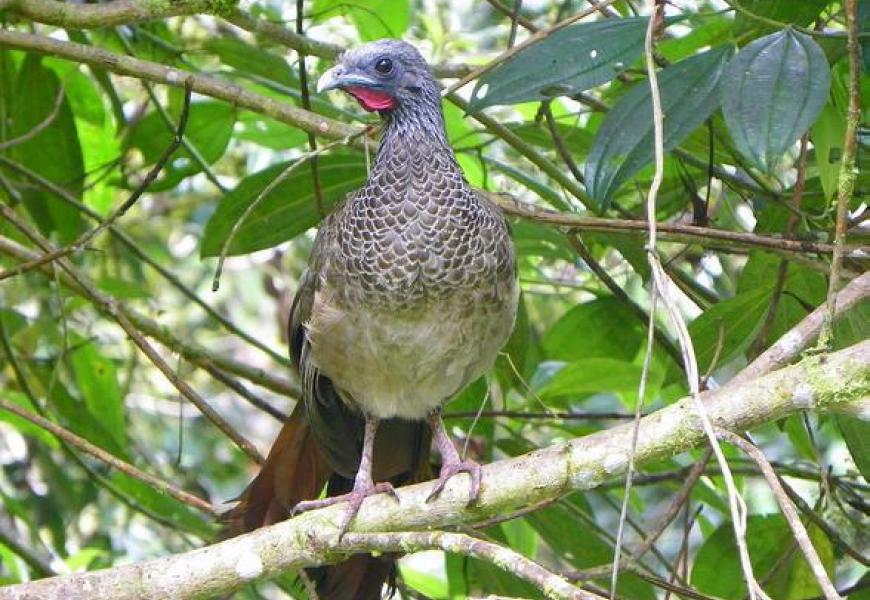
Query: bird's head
<point x="382" y="76"/>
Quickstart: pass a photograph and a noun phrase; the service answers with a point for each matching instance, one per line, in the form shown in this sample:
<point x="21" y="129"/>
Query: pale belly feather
<point x="408" y="365"/>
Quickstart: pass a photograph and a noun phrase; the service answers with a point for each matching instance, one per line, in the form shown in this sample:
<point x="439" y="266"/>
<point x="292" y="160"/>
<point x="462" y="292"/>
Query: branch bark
<point x="834" y="382"/>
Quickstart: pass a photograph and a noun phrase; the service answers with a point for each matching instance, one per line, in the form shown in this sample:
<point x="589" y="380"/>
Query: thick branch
<point x="838" y="381"/>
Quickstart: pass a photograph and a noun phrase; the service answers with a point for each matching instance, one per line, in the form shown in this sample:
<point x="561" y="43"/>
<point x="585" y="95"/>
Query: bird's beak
<point x="338" y="78"/>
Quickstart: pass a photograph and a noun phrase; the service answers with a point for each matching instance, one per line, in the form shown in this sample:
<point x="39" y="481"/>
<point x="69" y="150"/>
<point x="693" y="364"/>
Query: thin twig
<point x="504" y="9"/>
<point x="848" y="170"/>
<point x="110" y="306"/>
<point x="83" y="241"/>
<point x="306" y="104"/>
<point x="550" y="584"/>
<point x="515" y="20"/>
<point x="788" y="511"/>
<point x="782" y="270"/>
<point x="192" y="352"/>
<point x="555" y="416"/>
<point x="629" y="472"/>
<point x="107" y="458"/>
<point x="225" y="247"/>
<point x="662" y="283"/>
<point x="39" y="127"/>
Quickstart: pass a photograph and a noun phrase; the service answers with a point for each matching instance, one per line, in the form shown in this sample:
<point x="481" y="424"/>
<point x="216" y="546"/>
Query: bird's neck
<point x="415" y="131"/>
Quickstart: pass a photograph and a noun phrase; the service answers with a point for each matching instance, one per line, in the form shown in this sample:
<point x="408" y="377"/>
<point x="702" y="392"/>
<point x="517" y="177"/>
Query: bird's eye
<point x="384" y="65"/>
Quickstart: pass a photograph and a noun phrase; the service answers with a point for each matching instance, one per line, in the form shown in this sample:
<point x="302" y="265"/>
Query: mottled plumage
<point x="410" y="293"/>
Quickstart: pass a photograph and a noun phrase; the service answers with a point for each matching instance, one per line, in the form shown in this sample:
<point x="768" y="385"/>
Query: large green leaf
<point x="209" y="128"/>
<point x="857" y="435"/>
<point x="97" y="381"/>
<point x="785" y="11"/>
<point x="251" y="59"/>
<point x="55" y="153"/>
<point x="568" y="61"/>
<point x="268" y="132"/>
<point x="717" y="564"/>
<point x="374" y="19"/>
<point x="728" y="327"/>
<point x="624" y="142"/>
<point x="600" y="375"/>
<point x="602" y="328"/>
<point x="772" y="92"/>
<point x="829" y="130"/>
<point x="286" y="211"/>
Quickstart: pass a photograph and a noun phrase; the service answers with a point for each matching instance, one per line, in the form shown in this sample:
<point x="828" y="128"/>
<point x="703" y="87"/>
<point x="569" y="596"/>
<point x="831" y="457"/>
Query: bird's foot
<point x="450" y="468"/>
<point x="354" y="499"/>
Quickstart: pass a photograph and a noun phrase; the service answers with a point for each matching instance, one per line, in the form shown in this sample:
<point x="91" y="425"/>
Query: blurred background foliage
<point x="578" y="101"/>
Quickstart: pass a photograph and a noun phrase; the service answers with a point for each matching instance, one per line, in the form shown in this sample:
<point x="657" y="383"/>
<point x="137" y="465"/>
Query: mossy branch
<point x="839" y="381"/>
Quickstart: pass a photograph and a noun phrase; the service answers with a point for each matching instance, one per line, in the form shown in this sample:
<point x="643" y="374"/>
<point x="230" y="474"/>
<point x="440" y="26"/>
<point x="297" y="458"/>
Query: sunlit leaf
<point x="209" y="129"/>
<point x="98" y="383"/>
<point x="374" y="19"/>
<point x="287" y="211"/>
<point x="827" y="136"/>
<point x="54" y="153"/>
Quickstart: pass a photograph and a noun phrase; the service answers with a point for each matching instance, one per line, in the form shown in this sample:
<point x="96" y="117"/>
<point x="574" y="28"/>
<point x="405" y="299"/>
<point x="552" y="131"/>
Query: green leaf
<point x="167" y="507"/>
<point x="374" y="19"/>
<point x="572" y="541"/>
<point x="55" y="153"/>
<point x="251" y="60"/>
<point x="601" y="375"/>
<point x="624" y="142"/>
<point x="856" y="432"/>
<point x="428" y="584"/>
<point x="290" y="209"/>
<point x="827" y="136"/>
<point x="23" y="426"/>
<point x="604" y="327"/>
<point x="209" y="128"/>
<point x="566" y="62"/>
<point x="733" y="323"/>
<point x="795" y="580"/>
<point x="786" y="11"/>
<point x="542" y="190"/>
<point x="772" y="92"/>
<point x="97" y="381"/>
<point x="267" y="132"/>
<point x="716" y="570"/>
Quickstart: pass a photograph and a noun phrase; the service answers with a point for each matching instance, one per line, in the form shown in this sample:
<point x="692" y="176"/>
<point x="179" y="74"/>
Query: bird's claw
<point x="354" y="499"/>
<point x="451" y="468"/>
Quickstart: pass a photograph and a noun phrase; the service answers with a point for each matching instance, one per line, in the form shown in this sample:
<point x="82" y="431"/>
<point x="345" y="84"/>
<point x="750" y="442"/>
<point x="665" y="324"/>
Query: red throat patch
<point x="372" y="100"/>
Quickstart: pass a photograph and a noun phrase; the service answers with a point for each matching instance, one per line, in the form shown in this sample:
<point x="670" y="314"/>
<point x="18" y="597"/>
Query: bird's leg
<point x="363" y="485"/>
<point x="451" y="463"/>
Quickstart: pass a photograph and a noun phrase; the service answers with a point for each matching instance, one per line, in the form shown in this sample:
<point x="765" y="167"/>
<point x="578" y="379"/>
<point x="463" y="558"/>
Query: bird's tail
<point x="296" y="470"/>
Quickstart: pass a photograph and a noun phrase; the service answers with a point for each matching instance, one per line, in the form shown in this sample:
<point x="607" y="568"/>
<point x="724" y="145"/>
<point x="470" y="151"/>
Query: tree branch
<point x="799" y="337"/>
<point x="332" y="129"/>
<point x="191" y="351"/>
<point x="837" y="381"/>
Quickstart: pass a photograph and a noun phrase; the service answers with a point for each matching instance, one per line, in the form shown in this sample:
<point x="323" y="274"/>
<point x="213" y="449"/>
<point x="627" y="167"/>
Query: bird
<point x="410" y="293"/>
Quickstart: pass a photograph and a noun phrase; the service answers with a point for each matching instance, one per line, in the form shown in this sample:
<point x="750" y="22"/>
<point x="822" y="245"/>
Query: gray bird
<point x="410" y="293"/>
